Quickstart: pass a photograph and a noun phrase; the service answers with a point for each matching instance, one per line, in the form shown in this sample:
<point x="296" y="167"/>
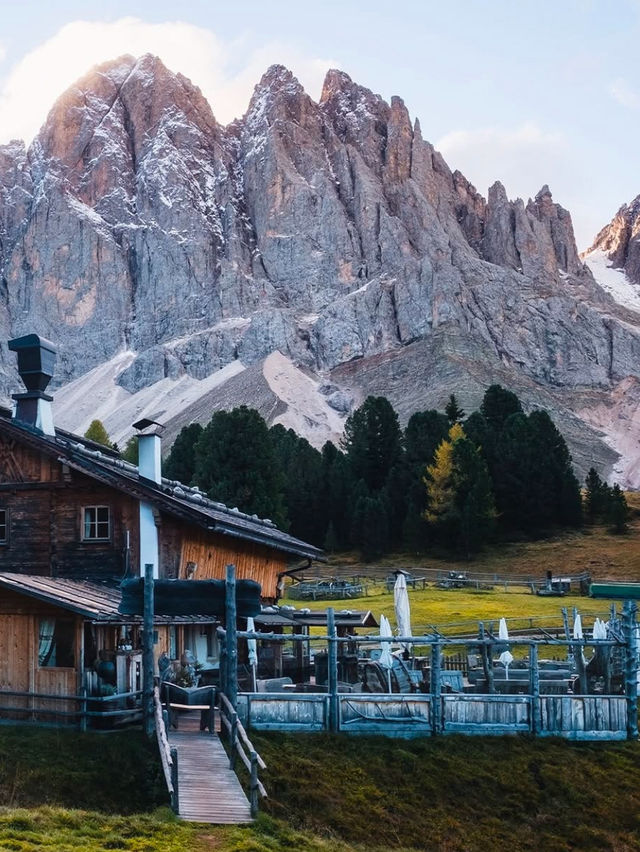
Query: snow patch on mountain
<point x="614" y="281"/>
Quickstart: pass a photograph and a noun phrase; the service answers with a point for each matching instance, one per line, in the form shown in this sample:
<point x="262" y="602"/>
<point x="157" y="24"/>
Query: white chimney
<point x="149" y="468"/>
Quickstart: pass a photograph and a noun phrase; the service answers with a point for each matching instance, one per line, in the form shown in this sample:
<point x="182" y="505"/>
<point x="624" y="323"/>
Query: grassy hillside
<point x="594" y="549"/>
<point x="330" y="794"/>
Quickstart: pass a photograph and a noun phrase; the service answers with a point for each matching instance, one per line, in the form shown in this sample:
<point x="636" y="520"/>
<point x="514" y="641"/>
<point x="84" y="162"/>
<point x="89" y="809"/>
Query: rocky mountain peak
<point x="331" y="232"/>
<point x="620" y="240"/>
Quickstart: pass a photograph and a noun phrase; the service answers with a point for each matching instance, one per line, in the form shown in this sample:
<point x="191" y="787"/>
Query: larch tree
<point x="97" y="432"/>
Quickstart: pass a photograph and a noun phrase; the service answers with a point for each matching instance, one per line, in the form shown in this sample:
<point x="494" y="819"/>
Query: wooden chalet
<point x="75" y="520"/>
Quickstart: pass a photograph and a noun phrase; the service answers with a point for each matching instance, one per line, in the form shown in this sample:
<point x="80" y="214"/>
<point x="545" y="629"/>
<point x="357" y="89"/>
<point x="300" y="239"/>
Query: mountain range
<point x="298" y="259"/>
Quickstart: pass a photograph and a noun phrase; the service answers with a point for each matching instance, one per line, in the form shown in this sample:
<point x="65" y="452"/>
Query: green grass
<point x="457" y="793"/>
<point x="459" y="610"/>
<point x="593" y="549"/>
<point x="331" y="794"/>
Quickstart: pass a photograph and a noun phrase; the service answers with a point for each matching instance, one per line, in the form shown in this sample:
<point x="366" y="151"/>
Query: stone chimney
<point x="149" y="468"/>
<point x="36" y="363"/>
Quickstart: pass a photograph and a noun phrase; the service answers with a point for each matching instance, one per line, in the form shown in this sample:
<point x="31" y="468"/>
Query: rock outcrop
<point x="331" y="232"/>
<point x="620" y="240"/>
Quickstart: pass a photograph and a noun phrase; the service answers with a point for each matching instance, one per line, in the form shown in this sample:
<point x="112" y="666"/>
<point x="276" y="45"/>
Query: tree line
<point x="447" y="481"/>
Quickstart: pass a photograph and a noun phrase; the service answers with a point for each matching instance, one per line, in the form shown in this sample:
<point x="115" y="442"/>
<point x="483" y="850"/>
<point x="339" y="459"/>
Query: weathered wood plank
<point x="209" y="791"/>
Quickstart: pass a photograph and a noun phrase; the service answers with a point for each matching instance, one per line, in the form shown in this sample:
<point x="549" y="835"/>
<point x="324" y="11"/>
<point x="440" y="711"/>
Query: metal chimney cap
<point x="31" y="341"/>
<point x="146" y="423"/>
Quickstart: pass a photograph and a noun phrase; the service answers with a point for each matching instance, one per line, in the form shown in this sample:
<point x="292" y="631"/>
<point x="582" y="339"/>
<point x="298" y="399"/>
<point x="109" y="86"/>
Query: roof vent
<point x="36" y="363"/>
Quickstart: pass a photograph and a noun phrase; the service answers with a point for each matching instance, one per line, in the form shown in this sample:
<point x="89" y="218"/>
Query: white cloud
<point x="624" y="94"/>
<point x="33" y="84"/>
<point x="3" y="52"/>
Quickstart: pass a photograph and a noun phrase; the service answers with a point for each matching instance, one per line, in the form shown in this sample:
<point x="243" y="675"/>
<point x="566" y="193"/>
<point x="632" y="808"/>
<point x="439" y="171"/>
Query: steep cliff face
<point x="331" y="231"/>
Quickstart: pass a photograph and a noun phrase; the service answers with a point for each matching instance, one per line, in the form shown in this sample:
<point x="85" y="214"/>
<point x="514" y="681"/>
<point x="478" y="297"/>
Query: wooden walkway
<point x="208" y="791"/>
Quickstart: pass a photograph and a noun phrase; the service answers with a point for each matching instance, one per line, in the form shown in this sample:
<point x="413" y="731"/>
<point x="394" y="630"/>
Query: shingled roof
<point x="170" y="496"/>
<point x="97" y="602"/>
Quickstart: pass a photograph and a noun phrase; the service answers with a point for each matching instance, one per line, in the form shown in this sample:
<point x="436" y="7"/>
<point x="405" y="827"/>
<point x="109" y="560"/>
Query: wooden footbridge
<point x="200" y="775"/>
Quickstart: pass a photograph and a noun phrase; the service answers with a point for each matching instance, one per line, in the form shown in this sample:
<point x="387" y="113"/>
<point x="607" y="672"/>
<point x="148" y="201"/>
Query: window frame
<point x="70" y="649"/>
<point x="4" y="541"/>
<point x="95" y="524"/>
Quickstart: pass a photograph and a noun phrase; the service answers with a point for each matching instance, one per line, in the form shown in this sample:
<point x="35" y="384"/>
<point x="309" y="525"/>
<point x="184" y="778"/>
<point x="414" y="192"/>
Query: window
<point x="4" y="526"/>
<point x="96" y="523"/>
<point x="56" y="643"/>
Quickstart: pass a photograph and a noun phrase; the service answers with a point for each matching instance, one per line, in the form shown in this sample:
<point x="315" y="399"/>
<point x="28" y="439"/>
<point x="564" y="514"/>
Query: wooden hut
<point x="75" y="520"/>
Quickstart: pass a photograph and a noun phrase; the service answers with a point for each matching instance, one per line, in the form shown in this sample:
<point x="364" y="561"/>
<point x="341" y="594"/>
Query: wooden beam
<point x="332" y="671"/>
<point x="231" y="680"/>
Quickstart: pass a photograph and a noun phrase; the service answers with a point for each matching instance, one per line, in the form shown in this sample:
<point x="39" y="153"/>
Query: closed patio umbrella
<point x="403" y="611"/>
<point x="252" y="648"/>
<point x="506" y="657"/>
<point x="386" y="657"/>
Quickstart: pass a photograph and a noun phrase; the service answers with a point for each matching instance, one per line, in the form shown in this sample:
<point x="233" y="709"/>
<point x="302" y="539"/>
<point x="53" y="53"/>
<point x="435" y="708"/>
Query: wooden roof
<point x="189" y="504"/>
<point x="97" y="602"/>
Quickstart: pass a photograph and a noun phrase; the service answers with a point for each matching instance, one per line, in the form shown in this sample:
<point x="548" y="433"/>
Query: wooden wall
<point x="44" y="499"/>
<point x="19" y="669"/>
<point x="212" y="552"/>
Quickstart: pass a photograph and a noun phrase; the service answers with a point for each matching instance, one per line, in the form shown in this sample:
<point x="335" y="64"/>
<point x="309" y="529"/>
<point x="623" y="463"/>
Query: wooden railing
<point x="238" y="742"/>
<point x="168" y="755"/>
<point x="33" y="709"/>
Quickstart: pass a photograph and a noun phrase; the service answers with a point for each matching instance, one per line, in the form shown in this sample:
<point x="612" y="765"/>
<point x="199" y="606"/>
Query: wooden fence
<point x="575" y="717"/>
<point x="24" y="706"/>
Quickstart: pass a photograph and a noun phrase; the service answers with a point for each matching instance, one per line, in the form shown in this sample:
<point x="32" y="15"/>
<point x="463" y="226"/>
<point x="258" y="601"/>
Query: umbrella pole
<point x="254" y="678"/>
<point x="389" y="679"/>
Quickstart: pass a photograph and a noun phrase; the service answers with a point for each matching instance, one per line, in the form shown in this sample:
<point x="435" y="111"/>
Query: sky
<point x="528" y="92"/>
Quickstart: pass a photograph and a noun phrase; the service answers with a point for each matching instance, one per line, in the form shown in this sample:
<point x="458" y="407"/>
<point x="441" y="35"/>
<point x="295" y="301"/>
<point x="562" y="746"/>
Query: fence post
<point x="212" y="712"/>
<point x="231" y="685"/>
<point x="175" y="798"/>
<point x="332" y="673"/>
<point x="83" y="711"/>
<point x="234" y="735"/>
<point x="253" y="787"/>
<point x="535" y="721"/>
<point x="487" y="659"/>
<point x="436" y="689"/>
<point x="631" y="668"/>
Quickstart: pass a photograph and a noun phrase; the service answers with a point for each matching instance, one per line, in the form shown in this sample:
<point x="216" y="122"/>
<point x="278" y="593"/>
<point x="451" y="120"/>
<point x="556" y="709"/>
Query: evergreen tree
<point x="130" y="452"/>
<point x="301" y="465"/>
<point x="453" y="411"/>
<point x="235" y="464"/>
<point x="331" y="542"/>
<point x="422" y="436"/>
<point x="474" y="502"/>
<point x="497" y="405"/>
<point x="336" y="504"/>
<point x="373" y="441"/>
<point x="596" y="496"/>
<point x="374" y="527"/>
<point x="618" y="511"/>
<point x="180" y="463"/>
<point x="96" y="432"/>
